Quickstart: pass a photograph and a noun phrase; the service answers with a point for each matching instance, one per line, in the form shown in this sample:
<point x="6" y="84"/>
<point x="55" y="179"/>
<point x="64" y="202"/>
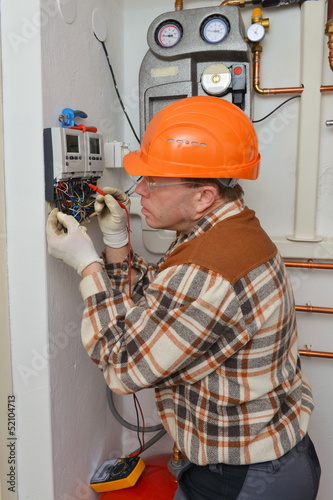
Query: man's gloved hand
<point x="112" y="217"/>
<point x="74" y="247"/>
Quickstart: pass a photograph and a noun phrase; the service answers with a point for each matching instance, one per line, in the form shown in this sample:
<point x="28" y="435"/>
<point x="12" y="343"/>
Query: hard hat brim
<point x="135" y="164"/>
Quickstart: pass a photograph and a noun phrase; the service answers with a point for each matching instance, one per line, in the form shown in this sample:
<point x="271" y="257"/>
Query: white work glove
<point x="74" y="247"/>
<point x="112" y="217"/>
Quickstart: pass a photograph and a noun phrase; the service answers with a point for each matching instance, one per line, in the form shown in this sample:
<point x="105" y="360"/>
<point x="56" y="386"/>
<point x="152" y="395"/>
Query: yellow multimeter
<point x="117" y="474"/>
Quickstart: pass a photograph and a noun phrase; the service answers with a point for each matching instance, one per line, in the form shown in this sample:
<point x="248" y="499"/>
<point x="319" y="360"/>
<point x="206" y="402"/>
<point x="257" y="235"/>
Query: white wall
<point x="26" y="246"/>
<point x="64" y="426"/>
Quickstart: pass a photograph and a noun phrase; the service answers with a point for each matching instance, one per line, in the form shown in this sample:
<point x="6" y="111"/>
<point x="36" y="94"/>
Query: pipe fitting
<point x="178" y="4"/>
<point x="178" y="458"/>
<point x="257" y="49"/>
<point x="237" y="3"/>
<point x="257" y="18"/>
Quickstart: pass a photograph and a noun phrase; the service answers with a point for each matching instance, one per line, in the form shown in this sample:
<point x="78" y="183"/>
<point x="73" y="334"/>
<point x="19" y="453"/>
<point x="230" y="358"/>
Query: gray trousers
<point x="294" y="476"/>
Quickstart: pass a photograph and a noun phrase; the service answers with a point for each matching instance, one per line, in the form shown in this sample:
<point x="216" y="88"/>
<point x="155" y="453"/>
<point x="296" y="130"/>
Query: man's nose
<point x="142" y="188"/>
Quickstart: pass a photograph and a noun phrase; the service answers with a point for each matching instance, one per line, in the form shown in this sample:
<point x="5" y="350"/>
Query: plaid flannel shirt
<point x="222" y="356"/>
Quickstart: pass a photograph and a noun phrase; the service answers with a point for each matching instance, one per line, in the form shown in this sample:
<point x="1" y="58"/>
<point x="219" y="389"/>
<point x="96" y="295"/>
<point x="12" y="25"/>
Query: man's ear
<point x="206" y="198"/>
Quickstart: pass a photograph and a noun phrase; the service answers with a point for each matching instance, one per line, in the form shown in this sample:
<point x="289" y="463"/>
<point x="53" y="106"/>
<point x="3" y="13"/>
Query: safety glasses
<point x="152" y="184"/>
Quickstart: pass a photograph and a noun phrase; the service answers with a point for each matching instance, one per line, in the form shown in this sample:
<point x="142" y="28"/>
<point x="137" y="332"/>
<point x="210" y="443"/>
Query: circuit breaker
<point x="195" y="52"/>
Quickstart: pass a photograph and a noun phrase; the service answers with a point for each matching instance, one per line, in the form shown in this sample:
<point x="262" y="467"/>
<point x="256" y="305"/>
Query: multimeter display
<point x="117" y="474"/>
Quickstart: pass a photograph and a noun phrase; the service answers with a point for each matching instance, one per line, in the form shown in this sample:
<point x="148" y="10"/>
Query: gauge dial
<point x="215" y="29"/>
<point x="255" y="32"/>
<point x="168" y="34"/>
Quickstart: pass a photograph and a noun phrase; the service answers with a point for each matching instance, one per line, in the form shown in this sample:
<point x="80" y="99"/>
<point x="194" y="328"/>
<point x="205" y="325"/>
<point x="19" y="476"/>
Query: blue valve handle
<point x="68" y="116"/>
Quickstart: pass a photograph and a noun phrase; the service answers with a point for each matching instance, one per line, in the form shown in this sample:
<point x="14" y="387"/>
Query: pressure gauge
<point x="214" y="29"/>
<point x="255" y="32"/>
<point x="168" y="34"/>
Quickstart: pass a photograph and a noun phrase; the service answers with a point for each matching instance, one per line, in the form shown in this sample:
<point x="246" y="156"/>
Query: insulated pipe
<point x="305" y="218"/>
<point x="256" y="78"/>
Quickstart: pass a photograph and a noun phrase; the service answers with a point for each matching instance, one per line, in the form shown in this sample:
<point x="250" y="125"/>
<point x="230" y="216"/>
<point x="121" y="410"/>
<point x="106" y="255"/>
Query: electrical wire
<point x="128" y="220"/>
<point x="122" y="421"/>
<point x="138" y="425"/>
<point x="117" y="91"/>
<point x="278" y="107"/>
<point x="142" y="438"/>
<point x="151" y="442"/>
<point x="74" y="197"/>
<point x="137" y="428"/>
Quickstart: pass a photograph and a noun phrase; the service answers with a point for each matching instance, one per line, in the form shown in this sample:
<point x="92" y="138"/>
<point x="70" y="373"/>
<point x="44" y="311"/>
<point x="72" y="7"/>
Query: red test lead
<point x="95" y="188"/>
<point x="100" y="191"/>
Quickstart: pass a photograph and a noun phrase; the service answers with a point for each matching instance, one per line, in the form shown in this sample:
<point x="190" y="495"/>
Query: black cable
<point x="122" y="421"/>
<point x="138" y="423"/>
<point x="151" y="441"/>
<point x="117" y="91"/>
<point x="128" y="425"/>
<point x="278" y="107"/>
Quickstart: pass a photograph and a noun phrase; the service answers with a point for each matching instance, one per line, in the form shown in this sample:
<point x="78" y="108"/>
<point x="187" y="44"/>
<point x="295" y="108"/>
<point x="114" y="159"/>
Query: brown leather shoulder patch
<point x="232" y="248"/>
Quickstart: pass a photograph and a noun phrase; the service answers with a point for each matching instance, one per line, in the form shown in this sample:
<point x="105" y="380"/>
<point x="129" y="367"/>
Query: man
<point x="212" y="325"/>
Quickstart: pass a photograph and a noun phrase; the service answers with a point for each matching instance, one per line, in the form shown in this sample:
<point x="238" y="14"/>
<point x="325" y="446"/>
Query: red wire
<point x="95" y="188"/>
<point x="129" y="256"/>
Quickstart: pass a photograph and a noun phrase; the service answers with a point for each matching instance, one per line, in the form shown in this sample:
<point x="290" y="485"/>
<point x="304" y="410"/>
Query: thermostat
<point x="94" y="152"/>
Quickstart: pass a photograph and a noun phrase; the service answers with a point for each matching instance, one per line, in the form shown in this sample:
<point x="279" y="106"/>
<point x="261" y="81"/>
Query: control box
<point x="71" y="154"/>
<point x="93" y="147"/>
<point x="117" y="474"/>
<point x="195" y="52"/>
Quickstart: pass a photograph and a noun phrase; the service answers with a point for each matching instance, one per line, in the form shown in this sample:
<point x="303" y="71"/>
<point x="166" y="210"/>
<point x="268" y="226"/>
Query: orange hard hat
<point x="203" y="137"/>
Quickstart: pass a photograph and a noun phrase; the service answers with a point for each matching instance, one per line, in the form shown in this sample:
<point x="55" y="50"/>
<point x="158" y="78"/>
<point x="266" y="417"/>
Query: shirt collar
<point x="210" y="220"/>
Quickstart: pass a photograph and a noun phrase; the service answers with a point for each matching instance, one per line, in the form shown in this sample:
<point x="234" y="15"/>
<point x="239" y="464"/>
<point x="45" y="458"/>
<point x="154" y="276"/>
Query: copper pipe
<point x="309" y="264"/>
<point x="316" y="354"/>
<point x="329" y="32"/>
<point x="237" y="3"/>
<point x="178" y="4"/>
<point x="256" y="78"/>
<point x="314" y="309"/>
<point x="329" y="10"/>
<point x="326" y="88"/>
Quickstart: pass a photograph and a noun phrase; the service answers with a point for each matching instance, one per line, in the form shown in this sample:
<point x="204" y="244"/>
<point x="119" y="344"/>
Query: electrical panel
<point x="73" y="159"/>
<point x="195" y="52"/>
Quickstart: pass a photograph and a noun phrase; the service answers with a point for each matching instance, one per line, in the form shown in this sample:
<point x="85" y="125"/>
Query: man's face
<point x="168" y="203"/>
